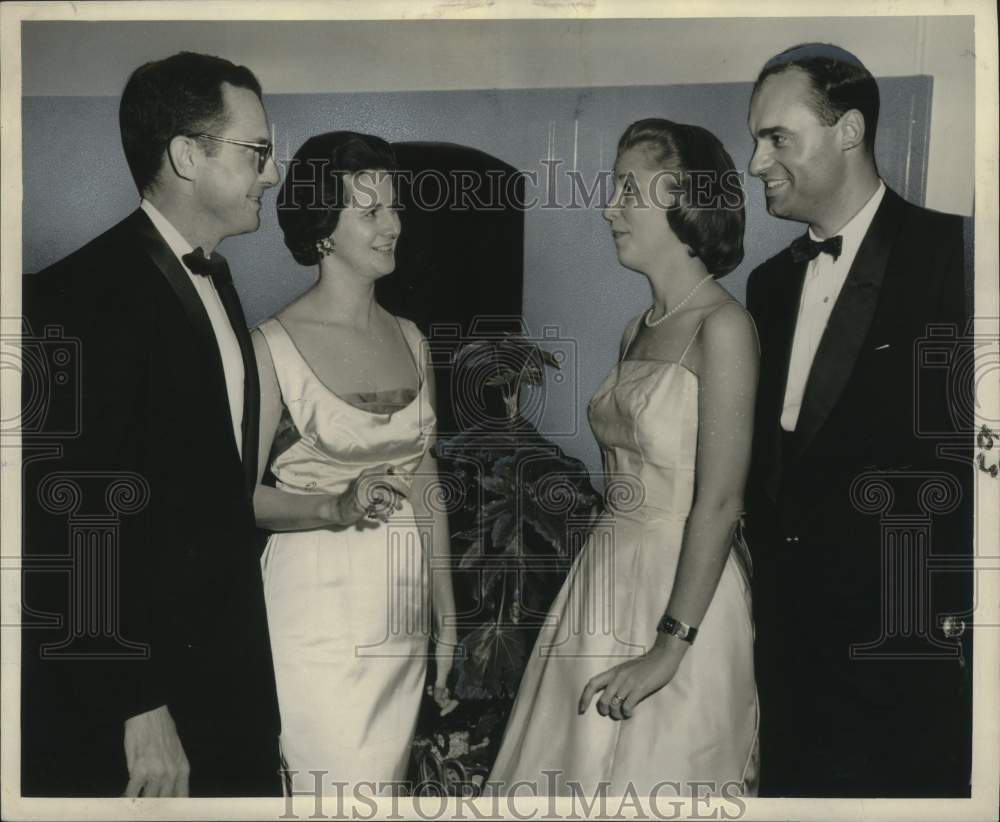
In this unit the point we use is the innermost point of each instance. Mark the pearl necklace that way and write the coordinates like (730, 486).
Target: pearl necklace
(651, 323)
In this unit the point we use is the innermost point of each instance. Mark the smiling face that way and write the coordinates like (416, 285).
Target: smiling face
(637, 212)
(367, 229)
(228, 186)
(798, 158)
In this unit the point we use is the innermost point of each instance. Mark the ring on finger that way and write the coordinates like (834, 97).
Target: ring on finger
(617, 700)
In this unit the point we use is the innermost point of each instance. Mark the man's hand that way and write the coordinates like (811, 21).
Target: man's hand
(156, 762)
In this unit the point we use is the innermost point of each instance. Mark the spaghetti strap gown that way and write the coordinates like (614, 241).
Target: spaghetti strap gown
(348, 608)
(702, 726)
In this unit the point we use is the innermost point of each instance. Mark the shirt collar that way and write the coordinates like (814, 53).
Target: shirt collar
(856, 228)
(171, 236)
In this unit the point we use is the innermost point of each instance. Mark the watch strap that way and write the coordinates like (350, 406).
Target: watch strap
(674, 627)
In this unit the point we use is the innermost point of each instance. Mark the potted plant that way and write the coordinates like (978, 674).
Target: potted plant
(527, 508)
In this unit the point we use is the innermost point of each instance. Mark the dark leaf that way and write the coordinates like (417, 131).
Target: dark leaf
(473, 556)
(502, 377)
(494, 658)
(503, 530)
(549, 358)
(495, 507)
(469, 534)
(531, 376)
(499, 484)
(551, 527)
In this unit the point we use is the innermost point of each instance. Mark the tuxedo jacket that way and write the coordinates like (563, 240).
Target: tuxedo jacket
(152, 456)
(875, 402)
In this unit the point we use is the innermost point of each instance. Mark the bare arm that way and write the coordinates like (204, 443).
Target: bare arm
(428, 508)
(374, 490)
(727, 388)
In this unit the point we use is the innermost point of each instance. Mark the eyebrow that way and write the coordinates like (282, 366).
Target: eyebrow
(767, 132)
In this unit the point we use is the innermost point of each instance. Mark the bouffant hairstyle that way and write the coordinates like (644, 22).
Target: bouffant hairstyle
(315, 190)
(706, 212)
(181, 94)
(839, 82)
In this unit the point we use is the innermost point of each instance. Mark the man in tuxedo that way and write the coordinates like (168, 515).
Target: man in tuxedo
(147, 667)
(862, 645)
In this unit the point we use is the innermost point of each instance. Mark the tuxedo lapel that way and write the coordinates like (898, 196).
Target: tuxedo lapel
(180, 281)
(251, 383)
(849, 322)
(783, 307)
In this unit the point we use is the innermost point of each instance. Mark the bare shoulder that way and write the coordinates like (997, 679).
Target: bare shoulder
(726, 318)
(728, 328)
(301, 310)
(410, 328)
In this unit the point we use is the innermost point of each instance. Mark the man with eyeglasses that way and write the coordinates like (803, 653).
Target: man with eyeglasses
(177, 698)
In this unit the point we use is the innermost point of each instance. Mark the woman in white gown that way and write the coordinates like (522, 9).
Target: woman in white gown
(654, 617)
(347, 421)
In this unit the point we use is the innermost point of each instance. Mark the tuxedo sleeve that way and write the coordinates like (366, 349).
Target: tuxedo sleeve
(754, 297)
(113, 320)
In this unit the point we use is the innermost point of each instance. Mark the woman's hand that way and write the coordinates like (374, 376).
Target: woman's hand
(375, 494)
(444, 655)
(628, 684)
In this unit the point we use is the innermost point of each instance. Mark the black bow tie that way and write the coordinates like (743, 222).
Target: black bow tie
(215, 266)
(805, 248)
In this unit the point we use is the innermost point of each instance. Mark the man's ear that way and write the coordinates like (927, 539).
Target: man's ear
(852, 129)
(183, 156)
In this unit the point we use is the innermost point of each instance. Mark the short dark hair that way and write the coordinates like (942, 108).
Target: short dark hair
(313, 193)
(181, 94)
(708, 215)
(839, 82)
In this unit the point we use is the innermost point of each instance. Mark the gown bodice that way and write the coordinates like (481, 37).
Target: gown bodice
(645, 418)
(335, 439)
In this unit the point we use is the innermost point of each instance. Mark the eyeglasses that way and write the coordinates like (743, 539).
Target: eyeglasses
(263, 150)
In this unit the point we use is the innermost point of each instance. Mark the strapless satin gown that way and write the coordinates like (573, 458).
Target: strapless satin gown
(348, 608)
(701, 727)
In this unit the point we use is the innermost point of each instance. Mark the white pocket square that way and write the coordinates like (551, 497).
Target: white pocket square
(882, 347)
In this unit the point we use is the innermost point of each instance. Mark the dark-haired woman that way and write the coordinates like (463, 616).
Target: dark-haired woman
(654, 617)
(346, 426)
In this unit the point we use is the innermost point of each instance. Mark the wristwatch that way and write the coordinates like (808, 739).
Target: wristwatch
(674, 627)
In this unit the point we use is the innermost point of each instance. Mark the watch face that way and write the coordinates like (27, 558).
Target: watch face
(682, 631)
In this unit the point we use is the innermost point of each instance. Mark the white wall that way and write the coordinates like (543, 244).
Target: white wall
(331, 56)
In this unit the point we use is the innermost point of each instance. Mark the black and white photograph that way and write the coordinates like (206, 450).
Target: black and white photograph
(509, 409)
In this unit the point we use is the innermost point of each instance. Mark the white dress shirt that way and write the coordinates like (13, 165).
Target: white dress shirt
(225, 337)
(824, 279)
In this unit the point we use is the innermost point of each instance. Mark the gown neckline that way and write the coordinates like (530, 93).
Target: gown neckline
(315, 377)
